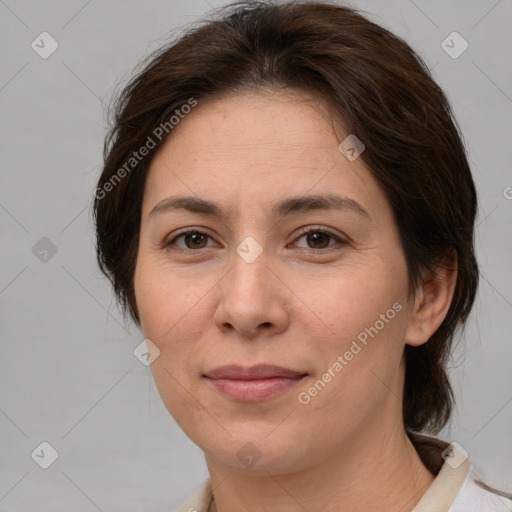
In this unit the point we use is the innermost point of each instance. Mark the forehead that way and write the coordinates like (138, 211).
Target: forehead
(280, 123)
(259, 146)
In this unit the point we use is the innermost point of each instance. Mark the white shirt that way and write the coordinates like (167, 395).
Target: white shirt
(454, 489)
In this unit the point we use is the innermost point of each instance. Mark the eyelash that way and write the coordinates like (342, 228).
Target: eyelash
(306, 231)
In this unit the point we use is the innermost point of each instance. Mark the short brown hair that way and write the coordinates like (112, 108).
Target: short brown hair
(376, 86)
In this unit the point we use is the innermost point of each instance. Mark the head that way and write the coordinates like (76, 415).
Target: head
(263, 104)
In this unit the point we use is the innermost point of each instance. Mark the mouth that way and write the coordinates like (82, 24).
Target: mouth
(253, 384)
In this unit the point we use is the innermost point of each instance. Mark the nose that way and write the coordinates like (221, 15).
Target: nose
(253, 301)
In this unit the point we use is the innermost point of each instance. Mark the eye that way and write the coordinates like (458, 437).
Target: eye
(319, 239)
(192, 240)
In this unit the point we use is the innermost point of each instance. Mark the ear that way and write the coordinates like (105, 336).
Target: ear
(432, 301)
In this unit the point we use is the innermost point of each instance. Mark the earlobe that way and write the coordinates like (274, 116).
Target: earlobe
(432, 301)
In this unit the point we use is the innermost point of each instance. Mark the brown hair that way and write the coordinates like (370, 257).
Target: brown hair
(376, 86)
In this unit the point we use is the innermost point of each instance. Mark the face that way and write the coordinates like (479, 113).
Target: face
(242, 274)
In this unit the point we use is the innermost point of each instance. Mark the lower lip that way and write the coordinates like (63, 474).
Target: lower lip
(254, 390)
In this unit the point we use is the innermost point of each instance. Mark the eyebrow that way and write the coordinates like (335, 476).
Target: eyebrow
(283, 208)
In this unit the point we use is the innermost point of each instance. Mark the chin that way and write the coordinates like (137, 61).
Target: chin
(259, 454)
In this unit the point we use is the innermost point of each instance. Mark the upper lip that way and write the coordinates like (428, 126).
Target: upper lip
(260, 371)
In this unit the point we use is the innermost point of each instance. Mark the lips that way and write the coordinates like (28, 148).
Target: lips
(258, 372)
(253, 384)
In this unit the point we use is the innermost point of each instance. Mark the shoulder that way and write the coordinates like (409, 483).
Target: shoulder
(474, 496)
(456, 481)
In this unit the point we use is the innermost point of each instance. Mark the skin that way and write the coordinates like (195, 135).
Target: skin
(300, 305)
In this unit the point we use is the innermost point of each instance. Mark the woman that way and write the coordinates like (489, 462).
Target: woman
(287, 211)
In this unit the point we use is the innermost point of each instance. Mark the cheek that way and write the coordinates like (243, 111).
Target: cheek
(354, 298)
(164, 302)
(174, 315)
(167, 319)
(367, 313)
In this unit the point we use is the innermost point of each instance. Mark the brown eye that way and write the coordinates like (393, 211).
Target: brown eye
(318, 239)
(195, 240)
(190, 241)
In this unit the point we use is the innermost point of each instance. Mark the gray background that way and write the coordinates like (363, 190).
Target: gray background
(68, 373)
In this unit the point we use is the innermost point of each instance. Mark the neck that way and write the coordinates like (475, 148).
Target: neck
(380, 470)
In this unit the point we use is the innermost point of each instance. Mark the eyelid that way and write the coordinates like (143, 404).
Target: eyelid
(316, 229)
